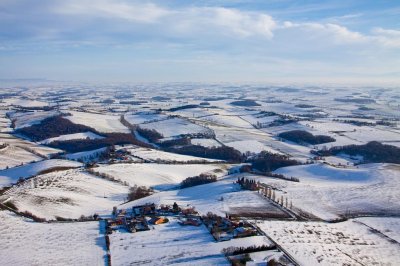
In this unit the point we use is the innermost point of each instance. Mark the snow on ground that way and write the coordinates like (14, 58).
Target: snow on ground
(5, 123)
(25, 103)
(223, 196)
(323, 172)
(24, 242)
(27, 145)
(275, 130)
(12, 156)
(253, 146)
(230, 134)
(318, 128)
(346, 243)
(141, 118)
(205, 142)
(261, 257)
(256, 138)
(346, 134)
(339, 161)
(26, 119)
(154, 155)
(390, 226)
(84, 135)
(195, 112)
(328, 192)
(324, 126)
(159, 176)
(86, 156)
(101, 122)
(67, 194)
(11, 175)
(175, 127)
(366, 134)
(253, 119)
(228, 120)
(172, 243)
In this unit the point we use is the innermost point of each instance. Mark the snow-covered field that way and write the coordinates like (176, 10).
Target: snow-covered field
(67, 194)
(219, 197)
(20, 151)
(253, 119)
(101, 122)
(174, 244)
(156, 155)
(84, 135)
(141, 118)
(175, 127)
(324, 173)
(343, 133)
(86, 156)
(12, 175)
(26, 119)
(159, 176)
(346, 243)
(324, 191)
(250, 146)
(228, 120)
(248, 139)
(389, 226)
(25, 102)
(327, 191)
(13, 156)
(205, 142)
(24, 242)
(25, 144)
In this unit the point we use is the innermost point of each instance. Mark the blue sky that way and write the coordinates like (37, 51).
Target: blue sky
(279, 41)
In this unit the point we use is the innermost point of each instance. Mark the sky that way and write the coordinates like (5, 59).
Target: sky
(279, 41)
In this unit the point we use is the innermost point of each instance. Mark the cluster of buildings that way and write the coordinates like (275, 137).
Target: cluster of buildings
(139, 218)
(226, 228)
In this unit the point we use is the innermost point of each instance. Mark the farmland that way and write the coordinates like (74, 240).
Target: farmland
(205, 175)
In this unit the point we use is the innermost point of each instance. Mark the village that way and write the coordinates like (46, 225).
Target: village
(141, 218)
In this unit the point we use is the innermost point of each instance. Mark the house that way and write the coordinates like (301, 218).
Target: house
(190, 221)
(222, 236)
(189, 211)
(158, 220)
(148, 209)
(136, 225)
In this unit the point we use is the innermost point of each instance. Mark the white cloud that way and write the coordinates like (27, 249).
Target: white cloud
(387, 32)
(387, 37)
(135, 12)
(194, 39)
(244, 24)
(342, 34)
(127, 21)
(187, 21)
(339, 34)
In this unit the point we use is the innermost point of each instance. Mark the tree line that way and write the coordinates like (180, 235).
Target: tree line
(372, 152)
(302, 136)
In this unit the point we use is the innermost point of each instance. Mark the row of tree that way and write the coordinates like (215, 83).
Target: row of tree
(53, 127)
(372, 152)
(150, 134)
(268, 162)
(198, 180)
(248, 184)
(220, 153)
(302, 136)
(138, 192)
(109, 139)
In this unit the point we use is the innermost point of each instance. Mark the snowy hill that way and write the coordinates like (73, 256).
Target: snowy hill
(12, 175)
